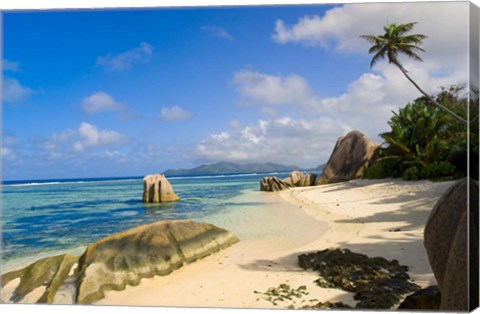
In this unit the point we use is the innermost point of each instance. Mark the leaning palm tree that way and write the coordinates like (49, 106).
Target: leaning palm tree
(395, 42)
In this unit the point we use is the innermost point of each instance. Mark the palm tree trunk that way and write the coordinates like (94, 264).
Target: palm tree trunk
(435, 103)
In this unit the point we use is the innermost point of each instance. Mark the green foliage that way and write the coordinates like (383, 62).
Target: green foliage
(438, 169)
(425, 142)
(394, 42)
(383, 168)
(411, 173)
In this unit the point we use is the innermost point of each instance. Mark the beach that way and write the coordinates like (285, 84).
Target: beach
(375, 217)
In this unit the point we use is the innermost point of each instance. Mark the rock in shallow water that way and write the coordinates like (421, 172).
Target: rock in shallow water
(376, 282)
(157, 189)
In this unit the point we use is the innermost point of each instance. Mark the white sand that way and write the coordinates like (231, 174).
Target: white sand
(361, 215)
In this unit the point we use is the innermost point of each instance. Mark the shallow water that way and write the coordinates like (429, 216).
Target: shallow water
(46, 218)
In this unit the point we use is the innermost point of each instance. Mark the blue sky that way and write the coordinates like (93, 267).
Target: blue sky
(93, 93)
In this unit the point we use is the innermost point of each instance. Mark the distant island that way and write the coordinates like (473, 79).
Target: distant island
(231, 168)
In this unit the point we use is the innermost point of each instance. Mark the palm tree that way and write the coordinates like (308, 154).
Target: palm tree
(395, 42)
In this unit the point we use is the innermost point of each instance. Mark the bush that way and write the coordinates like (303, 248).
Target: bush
(411, 174)
(438, 169)
(384, 168)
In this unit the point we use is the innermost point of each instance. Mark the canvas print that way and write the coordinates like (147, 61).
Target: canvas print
(319, 156)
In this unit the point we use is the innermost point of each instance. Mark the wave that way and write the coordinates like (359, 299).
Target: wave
(42, 183)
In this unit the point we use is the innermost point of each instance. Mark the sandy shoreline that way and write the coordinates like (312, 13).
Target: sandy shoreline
(375, 217)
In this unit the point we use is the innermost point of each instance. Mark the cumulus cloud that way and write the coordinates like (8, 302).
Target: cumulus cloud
(339, 29)
(125, 60)
(216, 31)
(307, 142)
(100, 102)
(175, 113)
(14, 91)
(86, 136)
(257, 88)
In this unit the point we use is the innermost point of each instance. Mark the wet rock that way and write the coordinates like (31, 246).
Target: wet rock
(424, 299)
(376, 282)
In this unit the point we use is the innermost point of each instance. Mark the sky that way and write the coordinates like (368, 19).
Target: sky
(128, 92)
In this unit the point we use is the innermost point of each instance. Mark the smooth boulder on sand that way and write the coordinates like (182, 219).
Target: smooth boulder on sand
(157, 189)
(451, 241)
(349, 159)
(116, 261)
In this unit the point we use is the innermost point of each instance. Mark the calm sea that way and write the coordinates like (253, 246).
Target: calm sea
(42, 217)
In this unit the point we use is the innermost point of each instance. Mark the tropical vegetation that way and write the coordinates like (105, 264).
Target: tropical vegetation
(426, 142)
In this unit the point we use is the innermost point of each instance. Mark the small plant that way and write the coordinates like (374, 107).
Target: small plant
(283, 293)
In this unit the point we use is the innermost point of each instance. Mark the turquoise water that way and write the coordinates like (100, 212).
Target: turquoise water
(42, 217)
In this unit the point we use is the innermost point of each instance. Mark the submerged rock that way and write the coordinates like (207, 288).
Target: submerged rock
(349, 159)
(49, 273)
(149, 250)
(157, 189)
(451, 241)
(376, 282)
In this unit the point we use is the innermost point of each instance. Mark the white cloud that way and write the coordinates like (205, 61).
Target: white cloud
(305, 142)
(14, 91)
(11, 66)
(175, 113)
(257, 88)
(100, 102)
(125, 60)
(86, 136)
(339, 29)
(219, 32)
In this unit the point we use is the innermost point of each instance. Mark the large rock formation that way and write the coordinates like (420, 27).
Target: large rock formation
(451, 241)
(157, 189)
(296, 179)
(349, 159)
(122, 259)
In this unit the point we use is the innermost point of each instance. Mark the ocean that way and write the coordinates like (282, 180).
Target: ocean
(43, 218)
